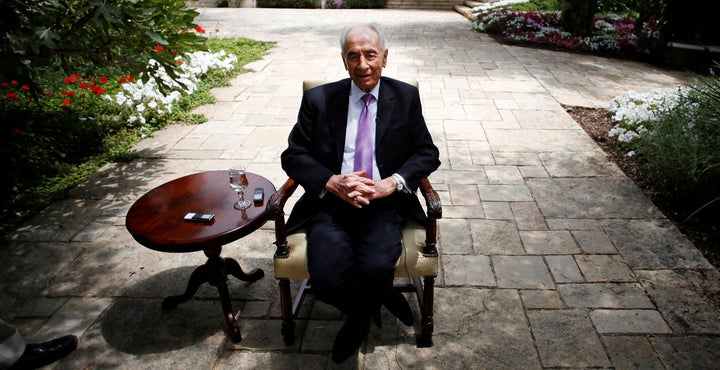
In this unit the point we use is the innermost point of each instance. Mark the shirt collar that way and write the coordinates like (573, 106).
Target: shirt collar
(356, 94)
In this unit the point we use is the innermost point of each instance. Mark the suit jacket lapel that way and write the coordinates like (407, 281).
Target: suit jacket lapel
(338, 106)
(386, 107)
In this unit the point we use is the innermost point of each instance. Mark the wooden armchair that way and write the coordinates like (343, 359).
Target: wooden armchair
(418, 261)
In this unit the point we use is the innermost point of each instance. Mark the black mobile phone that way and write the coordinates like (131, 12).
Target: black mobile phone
(199, 217)
(258, 196)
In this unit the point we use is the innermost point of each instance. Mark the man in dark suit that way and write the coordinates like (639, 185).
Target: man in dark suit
(358, 193)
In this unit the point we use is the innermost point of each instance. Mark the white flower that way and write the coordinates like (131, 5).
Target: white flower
(604, 26)
(146, 98)
(497, 4)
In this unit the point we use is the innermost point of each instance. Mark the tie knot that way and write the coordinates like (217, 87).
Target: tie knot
(367, 98)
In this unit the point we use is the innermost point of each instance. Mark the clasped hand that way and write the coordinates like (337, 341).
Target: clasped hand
(358, 190)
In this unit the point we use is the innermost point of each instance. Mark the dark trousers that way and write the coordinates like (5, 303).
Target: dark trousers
(352, 255)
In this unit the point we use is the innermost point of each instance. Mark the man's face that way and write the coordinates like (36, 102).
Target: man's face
(363, 57)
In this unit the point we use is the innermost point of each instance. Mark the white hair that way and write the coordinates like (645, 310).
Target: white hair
(372, 26)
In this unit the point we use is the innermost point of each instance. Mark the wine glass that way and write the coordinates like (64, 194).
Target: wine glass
(239, 182)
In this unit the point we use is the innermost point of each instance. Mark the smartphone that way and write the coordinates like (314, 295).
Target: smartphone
(258, 195)
(199, 217)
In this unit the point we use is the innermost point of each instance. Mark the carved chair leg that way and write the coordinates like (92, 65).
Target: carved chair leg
(288, 322)
(426, 322)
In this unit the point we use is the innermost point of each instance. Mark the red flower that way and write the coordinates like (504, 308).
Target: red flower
(15, 131)
(66, 102)
(68, 93)
(14, 82)
(12, 96)
(122, 80)
(97, 90)
(82, 86)
(217, 30)
(5, 84)
(180, 62)
(103, 80)
(159, 48)
(25, 87)
(199, 29)
(72, 79)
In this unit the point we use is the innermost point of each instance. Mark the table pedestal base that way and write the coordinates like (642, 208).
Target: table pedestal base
(214, 272)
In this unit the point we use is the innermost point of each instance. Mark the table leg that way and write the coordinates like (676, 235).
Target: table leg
(198, 277)
(218, 279)
(233, 267)
(214, 272)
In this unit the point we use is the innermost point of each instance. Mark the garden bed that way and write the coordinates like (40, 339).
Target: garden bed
(703, 231)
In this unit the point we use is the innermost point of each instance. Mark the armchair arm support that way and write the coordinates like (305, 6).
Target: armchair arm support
(434, 212)
(275, 206)
(432, 200)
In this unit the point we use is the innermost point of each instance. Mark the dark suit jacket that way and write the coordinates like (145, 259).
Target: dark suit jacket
(403, 144)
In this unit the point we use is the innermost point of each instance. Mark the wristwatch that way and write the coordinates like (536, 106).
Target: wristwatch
(398, 182)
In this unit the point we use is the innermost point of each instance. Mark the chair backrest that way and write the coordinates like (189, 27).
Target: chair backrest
(309, 84)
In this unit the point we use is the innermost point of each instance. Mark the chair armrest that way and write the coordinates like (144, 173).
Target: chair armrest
(277, 201)
(432, 200)
(275, 206)
(434, 212)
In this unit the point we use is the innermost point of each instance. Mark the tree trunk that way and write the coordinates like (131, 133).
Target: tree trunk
(577, 16)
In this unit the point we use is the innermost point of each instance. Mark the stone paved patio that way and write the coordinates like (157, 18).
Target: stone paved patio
(550, 256)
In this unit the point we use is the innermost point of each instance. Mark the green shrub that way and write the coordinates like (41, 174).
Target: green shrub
(366, 4)
(37, 34)
(616, 6)
(540, 6)
(683, 148)
(288, 4)
(74, 124)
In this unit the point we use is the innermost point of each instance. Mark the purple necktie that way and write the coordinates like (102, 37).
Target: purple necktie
(364, 140)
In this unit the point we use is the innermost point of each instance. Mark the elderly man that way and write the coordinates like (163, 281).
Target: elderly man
(360, 148)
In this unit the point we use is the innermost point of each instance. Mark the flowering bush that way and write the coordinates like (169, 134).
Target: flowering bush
(677, 134)
(51, 130)
(38, 33)
(613, 35)
(140, 101)
(484, 7)
(635, 113)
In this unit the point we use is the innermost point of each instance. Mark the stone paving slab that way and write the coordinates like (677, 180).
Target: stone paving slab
(549, 256)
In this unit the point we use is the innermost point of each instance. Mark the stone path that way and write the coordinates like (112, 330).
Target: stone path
(550, 256)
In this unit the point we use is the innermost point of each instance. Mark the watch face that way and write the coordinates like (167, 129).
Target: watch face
(399, 183)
